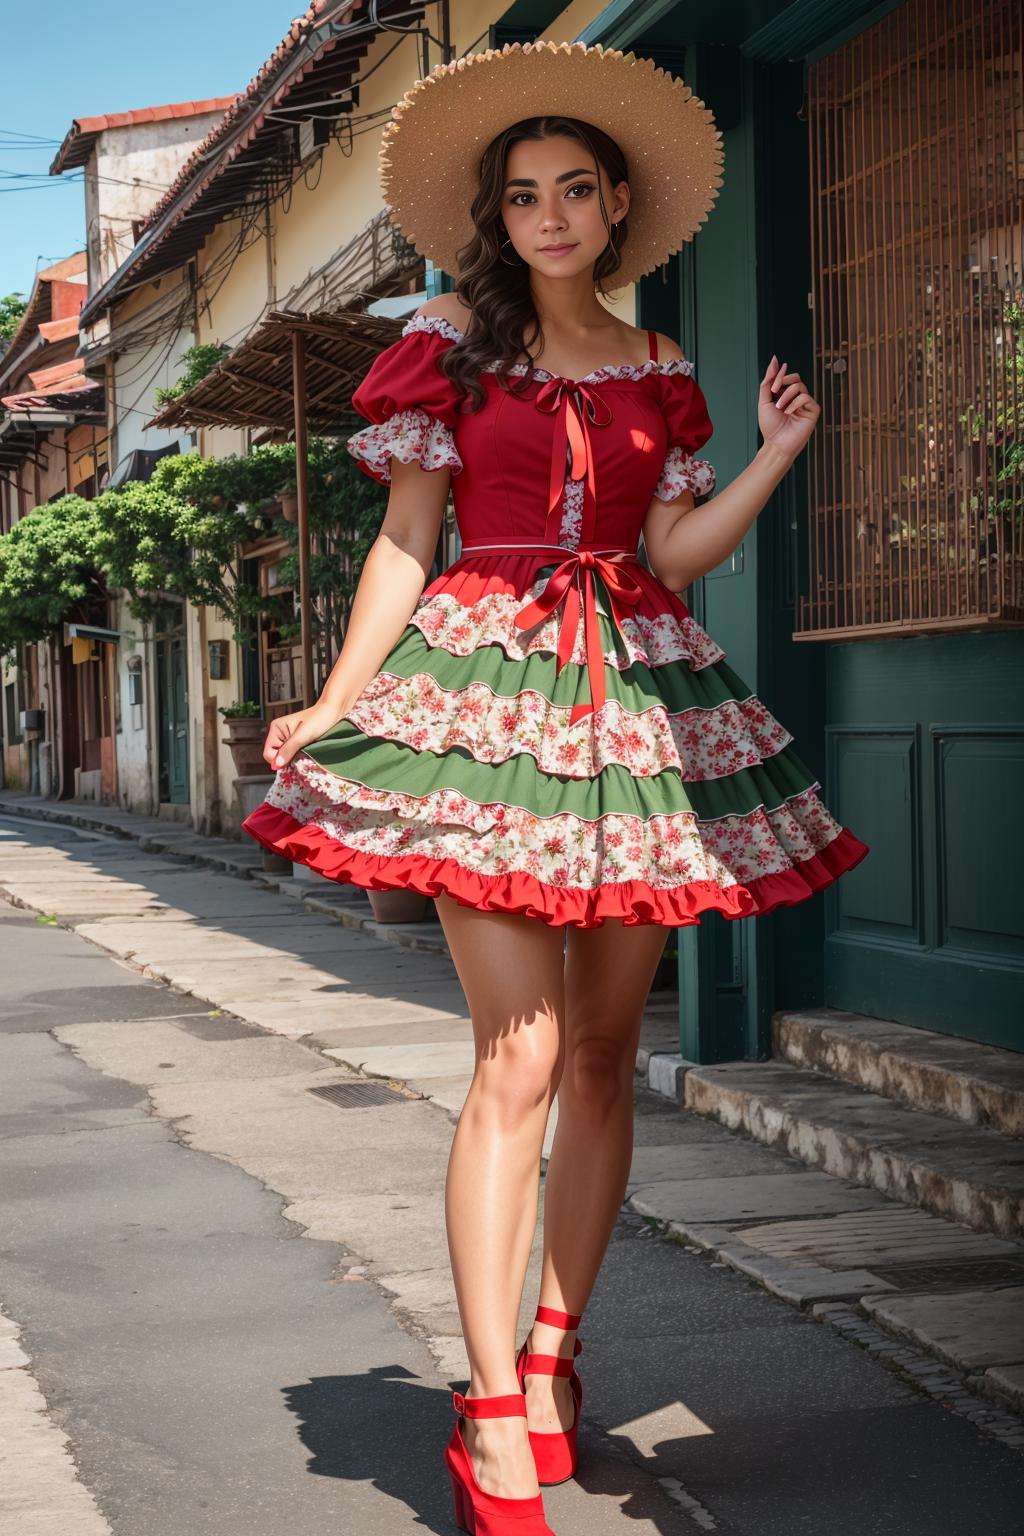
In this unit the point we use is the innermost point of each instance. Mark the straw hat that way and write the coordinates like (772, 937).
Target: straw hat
(431, 148)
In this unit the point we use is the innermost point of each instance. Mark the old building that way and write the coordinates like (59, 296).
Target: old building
(877, 602)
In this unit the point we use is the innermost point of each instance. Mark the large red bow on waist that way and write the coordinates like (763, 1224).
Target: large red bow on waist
(569, 580)
(572, 429)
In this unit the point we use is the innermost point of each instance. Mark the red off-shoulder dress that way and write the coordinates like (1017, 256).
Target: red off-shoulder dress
(554, 734)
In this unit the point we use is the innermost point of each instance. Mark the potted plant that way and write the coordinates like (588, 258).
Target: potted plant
(288, 496)
(246, 731)
(398, 906)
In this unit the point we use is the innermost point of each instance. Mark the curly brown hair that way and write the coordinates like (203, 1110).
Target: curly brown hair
(498, 293)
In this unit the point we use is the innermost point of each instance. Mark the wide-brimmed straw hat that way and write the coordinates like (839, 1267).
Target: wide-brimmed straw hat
(430, 149)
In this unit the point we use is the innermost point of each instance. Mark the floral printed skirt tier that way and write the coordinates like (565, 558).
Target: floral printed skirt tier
(554, 735)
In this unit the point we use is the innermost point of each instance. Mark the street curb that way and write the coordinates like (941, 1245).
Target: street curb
(835, 1298)
(223, 855)
(660, 1070)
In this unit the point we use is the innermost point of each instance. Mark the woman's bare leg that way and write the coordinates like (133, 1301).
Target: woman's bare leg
(510, 968)
(608, 974)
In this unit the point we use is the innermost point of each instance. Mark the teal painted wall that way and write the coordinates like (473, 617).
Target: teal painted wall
(926, 751)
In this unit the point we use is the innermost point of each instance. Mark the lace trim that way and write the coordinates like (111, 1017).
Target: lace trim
(410, 434)
(436, 323)
(682, 473)
(445, 328)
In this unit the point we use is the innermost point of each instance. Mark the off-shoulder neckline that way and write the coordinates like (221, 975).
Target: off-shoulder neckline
(672, 365)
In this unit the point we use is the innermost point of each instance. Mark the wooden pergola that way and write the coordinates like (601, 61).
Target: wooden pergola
(295, 370)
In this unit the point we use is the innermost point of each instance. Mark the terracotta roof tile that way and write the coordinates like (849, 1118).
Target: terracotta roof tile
(257, 85)
(59, 330)
(50, 398)
(80, 137)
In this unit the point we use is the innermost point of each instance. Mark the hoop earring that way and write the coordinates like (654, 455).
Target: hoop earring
(517, 263)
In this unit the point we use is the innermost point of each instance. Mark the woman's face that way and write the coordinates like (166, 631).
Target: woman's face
(551, 207)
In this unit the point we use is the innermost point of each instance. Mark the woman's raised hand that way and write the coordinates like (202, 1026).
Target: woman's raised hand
(288, 734)
(786, 413)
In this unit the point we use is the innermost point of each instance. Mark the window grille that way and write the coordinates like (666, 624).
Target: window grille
(917, 233)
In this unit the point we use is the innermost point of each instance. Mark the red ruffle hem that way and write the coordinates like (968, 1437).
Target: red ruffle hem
(631, 901)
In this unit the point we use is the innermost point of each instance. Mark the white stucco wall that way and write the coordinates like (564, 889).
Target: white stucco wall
(138, 370)
(135, 744)
(125, 176)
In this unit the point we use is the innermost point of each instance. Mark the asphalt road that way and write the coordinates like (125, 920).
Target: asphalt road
(218, 1371)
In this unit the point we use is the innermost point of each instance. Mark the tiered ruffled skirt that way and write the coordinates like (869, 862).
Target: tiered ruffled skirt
(457, 771)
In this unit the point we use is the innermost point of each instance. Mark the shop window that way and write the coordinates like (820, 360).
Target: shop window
(916, 469)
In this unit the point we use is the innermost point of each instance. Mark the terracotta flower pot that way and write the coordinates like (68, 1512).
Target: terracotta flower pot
(398, 906)
(245, 737)
(289, 506)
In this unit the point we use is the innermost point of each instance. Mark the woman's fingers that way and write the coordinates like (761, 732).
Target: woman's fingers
(275, 743)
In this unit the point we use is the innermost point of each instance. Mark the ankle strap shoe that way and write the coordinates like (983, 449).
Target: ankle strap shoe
(476, 1511)
(555, 1451)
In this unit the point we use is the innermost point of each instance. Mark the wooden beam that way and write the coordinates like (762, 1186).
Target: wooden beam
(302, 496)
(246, 379)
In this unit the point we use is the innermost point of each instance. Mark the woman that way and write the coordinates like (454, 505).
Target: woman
(542, 738)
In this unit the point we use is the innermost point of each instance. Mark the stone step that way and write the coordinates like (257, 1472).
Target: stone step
(978, 1084)
(968, 1173)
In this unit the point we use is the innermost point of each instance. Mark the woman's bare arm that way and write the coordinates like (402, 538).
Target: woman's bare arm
(393, 577)
(684, 542)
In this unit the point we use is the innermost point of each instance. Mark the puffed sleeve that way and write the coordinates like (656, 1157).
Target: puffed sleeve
(410, 404)
(689, 427)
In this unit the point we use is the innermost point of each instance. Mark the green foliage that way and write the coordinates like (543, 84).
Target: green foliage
(12, 307)
(245, 709)
(47, 569)
(178, 536)
(199, 361)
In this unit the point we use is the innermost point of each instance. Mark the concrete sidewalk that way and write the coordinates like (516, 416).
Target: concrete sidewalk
(264, 951)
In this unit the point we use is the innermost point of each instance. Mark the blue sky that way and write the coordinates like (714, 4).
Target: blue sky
(69, 60)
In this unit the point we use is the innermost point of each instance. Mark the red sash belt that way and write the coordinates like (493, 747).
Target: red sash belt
(572, 583)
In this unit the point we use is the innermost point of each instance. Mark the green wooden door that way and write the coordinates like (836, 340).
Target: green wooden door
(172, 709)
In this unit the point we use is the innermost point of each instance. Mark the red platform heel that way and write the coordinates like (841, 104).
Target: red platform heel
(554, 1451)
(476, 1511)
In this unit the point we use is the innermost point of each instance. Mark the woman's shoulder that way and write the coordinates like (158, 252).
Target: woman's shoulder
(444, 313)
(669, 350)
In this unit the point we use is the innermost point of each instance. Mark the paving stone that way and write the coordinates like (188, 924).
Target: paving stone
(886, 1235)
(965, 1328)
(1008, 1380)
(417, 1062)
(979, 1084)
(968, 1173)
(764, 1194)
(704, 1160)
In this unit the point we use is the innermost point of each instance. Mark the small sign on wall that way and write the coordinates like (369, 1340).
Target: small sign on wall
(220, 659)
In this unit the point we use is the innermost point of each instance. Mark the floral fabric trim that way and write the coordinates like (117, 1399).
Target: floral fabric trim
(561, 850)
(700, 743)
(571, 526)
(411, 434)
(444, 621)
(436, 323)
(681, 472)
(445, 328)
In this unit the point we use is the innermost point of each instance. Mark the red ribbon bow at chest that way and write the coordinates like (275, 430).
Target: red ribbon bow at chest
(573, 581)
(572, 434)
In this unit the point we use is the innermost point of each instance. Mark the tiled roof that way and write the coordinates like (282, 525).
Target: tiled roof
(56, 396)
(41, 379)
(256, 87)
(59, 330)
(319, 58)
(70, 273)
(84, 131)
